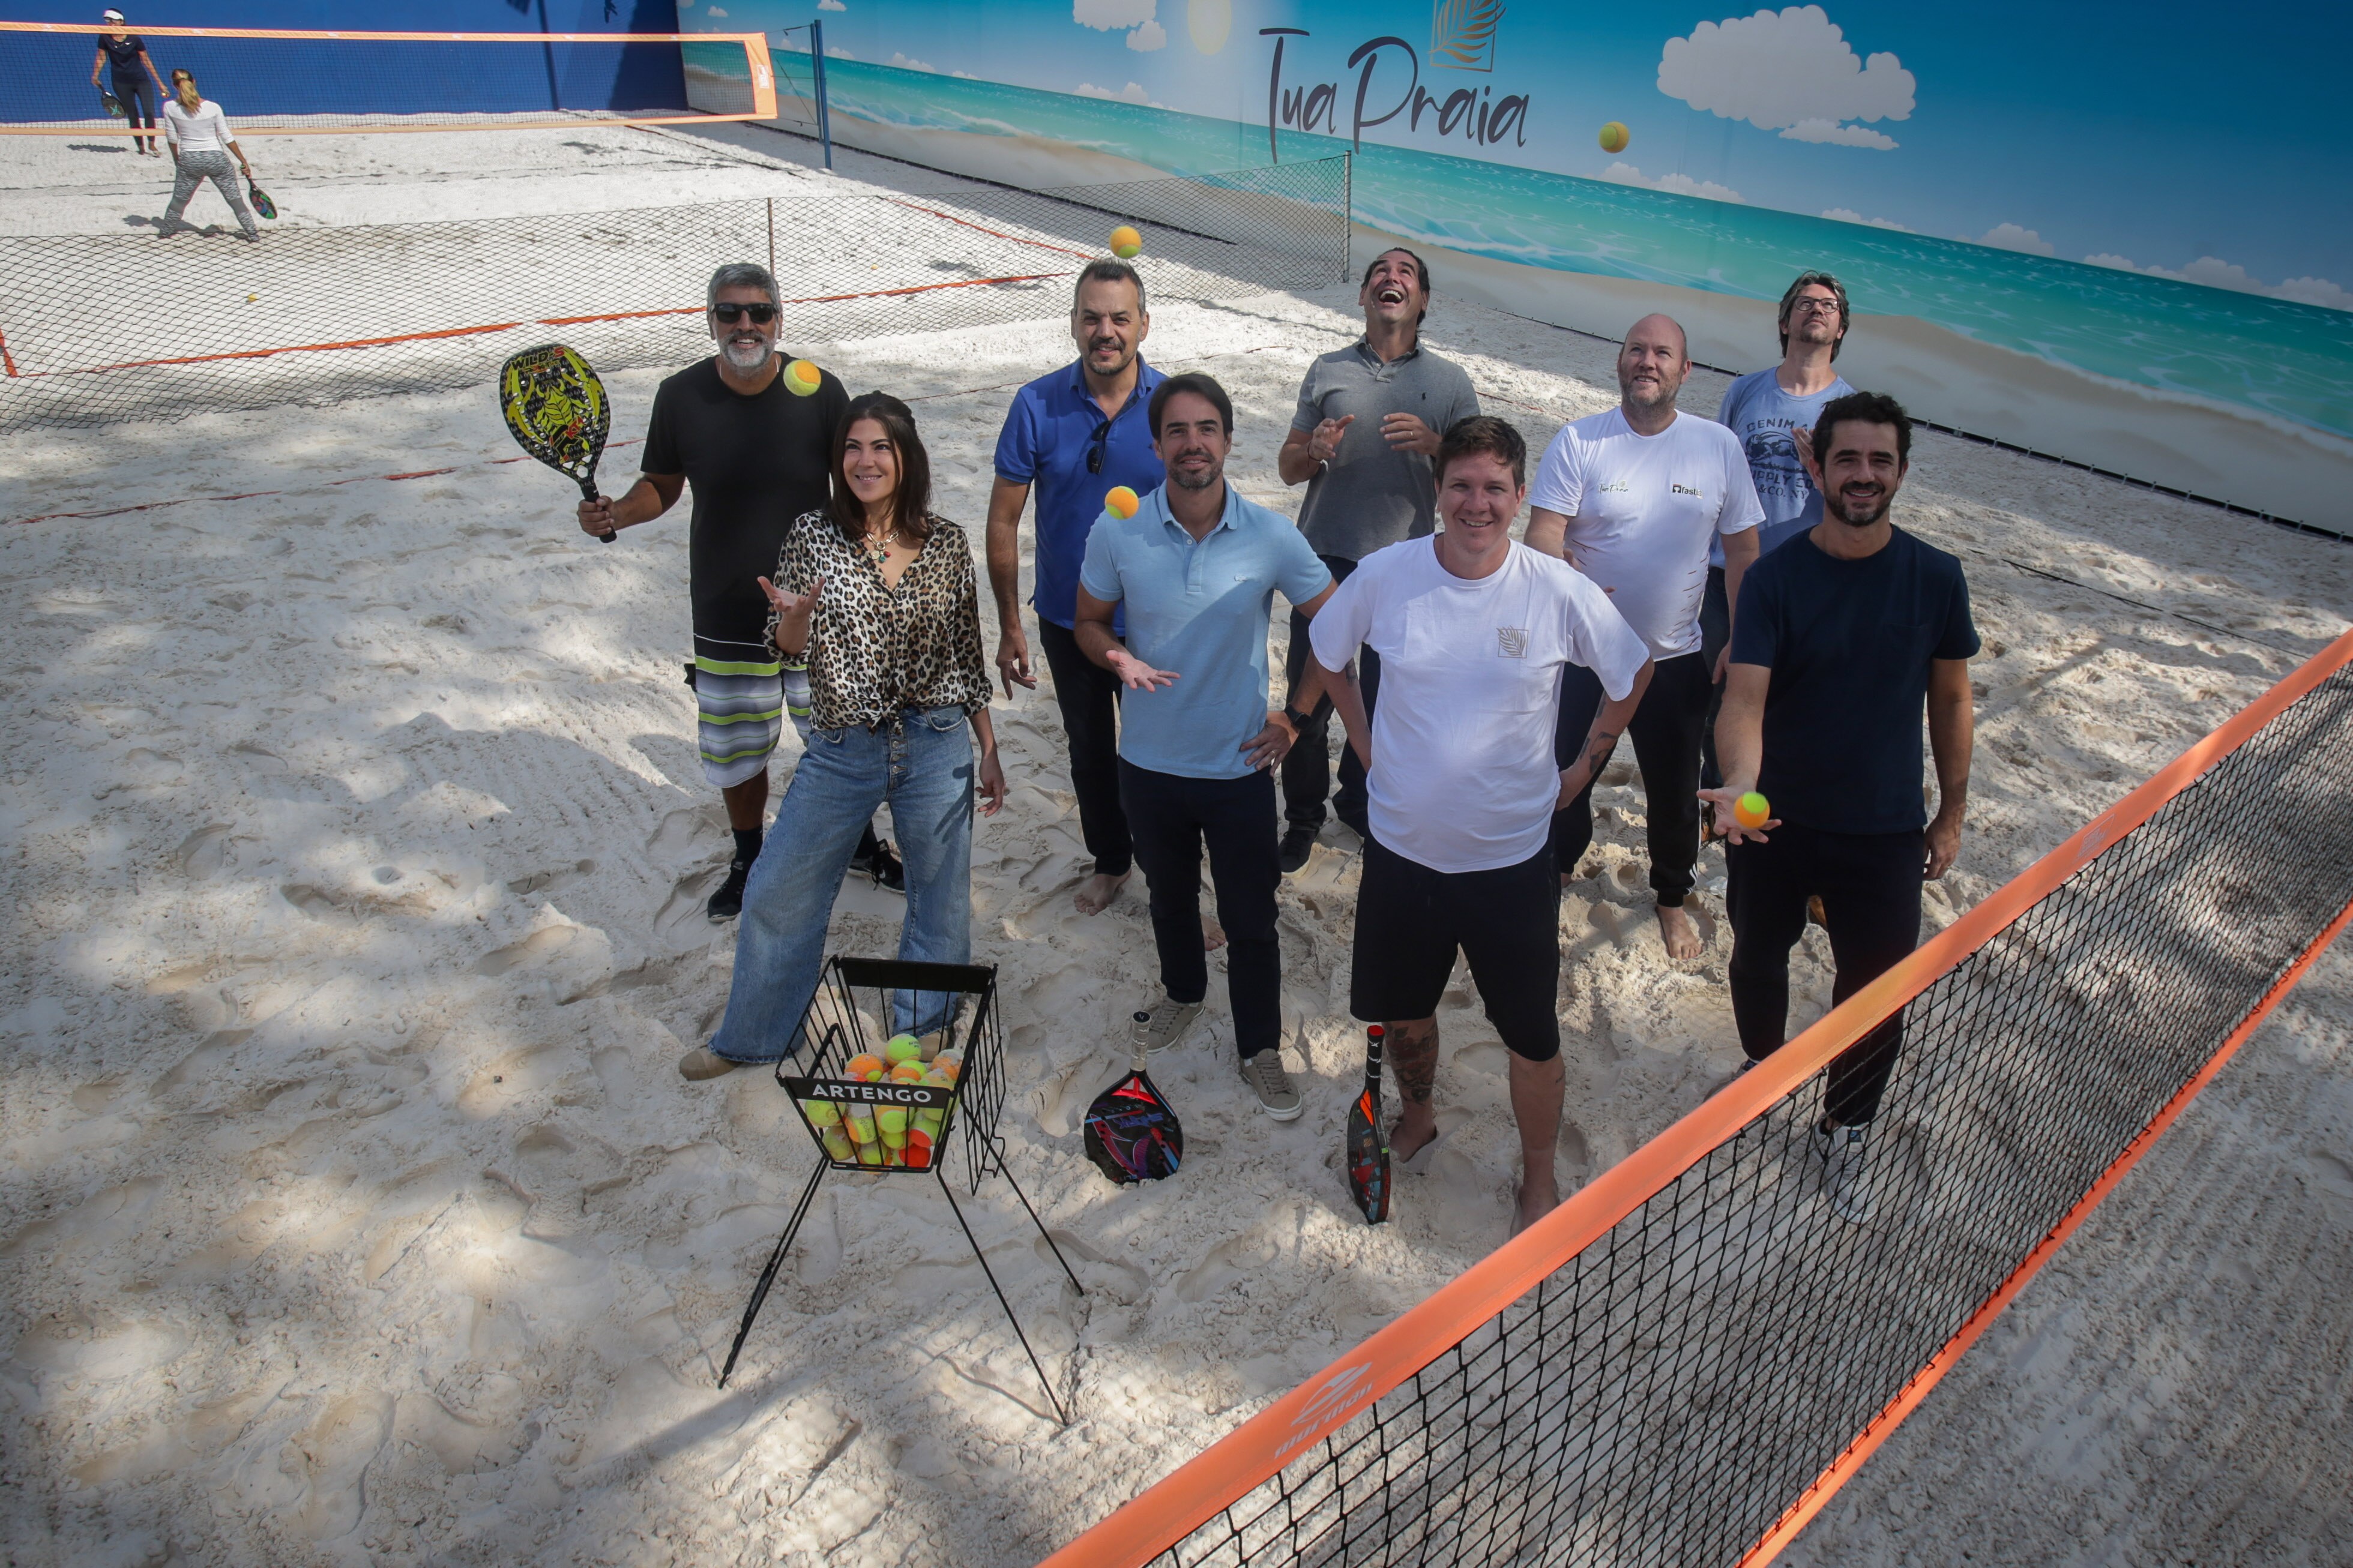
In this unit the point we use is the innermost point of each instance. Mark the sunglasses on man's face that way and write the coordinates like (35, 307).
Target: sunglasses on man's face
(730, 314)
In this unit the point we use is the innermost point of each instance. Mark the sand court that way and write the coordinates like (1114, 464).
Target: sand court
(356, 856)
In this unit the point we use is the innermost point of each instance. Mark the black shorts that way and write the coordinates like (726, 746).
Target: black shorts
(1411, 921)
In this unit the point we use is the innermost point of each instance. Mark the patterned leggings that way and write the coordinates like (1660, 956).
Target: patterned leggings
(194, 169)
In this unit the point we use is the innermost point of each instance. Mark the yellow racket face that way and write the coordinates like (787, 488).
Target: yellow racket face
(556, 407)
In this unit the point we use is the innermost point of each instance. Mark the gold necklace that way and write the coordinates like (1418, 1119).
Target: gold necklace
(878, 547)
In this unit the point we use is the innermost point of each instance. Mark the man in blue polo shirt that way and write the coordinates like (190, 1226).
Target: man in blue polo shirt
(1196, 569)
(1076, 435)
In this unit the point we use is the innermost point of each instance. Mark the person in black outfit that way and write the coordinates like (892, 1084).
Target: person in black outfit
(138, 93)
(1843, 636)
(759, 456)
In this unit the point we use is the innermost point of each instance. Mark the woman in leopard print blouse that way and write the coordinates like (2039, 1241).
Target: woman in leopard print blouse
(879, 595)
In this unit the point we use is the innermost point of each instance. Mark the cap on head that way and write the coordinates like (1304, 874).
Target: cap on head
(109, 16)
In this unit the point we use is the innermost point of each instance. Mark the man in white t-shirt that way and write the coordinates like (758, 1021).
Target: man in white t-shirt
(1474, 633)
(1633, 498)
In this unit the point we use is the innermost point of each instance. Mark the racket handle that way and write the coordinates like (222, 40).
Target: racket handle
(589, 492)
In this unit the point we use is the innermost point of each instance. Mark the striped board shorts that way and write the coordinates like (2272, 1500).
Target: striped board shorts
(739, 714)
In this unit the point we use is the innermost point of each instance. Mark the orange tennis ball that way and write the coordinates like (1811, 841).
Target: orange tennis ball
(1125, 243)
(864, 1065)
(1751, 810)
(1121, 502)
(907, 1072)
(1614, 137)
(802, 378)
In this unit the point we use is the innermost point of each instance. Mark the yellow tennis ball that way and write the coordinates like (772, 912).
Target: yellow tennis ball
(1121, 502)
(1614, 137)
(802, 378)
(249, 298)
(1751, 810)
(1125, 243)
(901, 1049)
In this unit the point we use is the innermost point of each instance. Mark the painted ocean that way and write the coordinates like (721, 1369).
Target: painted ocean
(2289, 361)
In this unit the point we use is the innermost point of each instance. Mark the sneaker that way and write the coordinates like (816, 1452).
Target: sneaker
(1167, 1023)
(1264, 1074)
(1298, 843)
(728, 901)
(884, 865)
(702, 1062)
(1844, 1175)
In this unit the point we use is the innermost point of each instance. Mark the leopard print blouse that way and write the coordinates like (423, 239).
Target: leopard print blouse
(874, 649)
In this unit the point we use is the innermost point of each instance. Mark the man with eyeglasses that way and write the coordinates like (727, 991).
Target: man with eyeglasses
(1773, 412)
(1361, 440)
(1075, 435)
(758, 456)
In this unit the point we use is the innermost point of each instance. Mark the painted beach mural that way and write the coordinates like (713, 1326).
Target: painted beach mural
(2108, 233)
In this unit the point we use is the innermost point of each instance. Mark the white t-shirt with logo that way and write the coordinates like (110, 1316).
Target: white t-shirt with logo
(1642, 511)
(1462, 777)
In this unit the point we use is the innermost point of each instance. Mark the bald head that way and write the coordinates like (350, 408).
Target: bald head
(1651, 364)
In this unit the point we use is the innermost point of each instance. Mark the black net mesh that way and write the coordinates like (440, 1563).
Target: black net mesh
(324, 315)
(1665, 1396)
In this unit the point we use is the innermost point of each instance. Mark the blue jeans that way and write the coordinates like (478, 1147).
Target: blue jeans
(924, 767)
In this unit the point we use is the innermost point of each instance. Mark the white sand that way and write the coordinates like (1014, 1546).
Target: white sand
(357, 851)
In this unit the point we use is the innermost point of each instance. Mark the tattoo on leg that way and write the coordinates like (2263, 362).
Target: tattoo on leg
(1413, 1051)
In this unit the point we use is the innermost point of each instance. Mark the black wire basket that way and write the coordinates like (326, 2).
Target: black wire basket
(884, 1099)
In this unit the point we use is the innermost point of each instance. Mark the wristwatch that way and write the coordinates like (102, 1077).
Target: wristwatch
(1295, 719)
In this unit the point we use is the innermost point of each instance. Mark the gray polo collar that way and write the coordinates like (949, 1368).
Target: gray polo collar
(1386, 367)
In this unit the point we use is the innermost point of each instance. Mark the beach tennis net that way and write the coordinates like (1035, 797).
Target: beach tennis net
(321, 315)
(1679, 1366)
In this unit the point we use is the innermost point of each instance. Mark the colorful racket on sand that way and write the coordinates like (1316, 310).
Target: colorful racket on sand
(259, 198)
(1131, 1133)
(556, 410)
(1369, 1149)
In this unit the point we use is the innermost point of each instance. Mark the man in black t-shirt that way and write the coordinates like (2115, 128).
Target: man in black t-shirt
(758, 455)
(1843, 637)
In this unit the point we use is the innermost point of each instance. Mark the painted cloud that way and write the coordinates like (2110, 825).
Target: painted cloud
(1791, 71)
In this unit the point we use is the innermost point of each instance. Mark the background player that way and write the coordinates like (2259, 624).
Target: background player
(1843, 636)
(758, 456)
(136, 84)
(1634, 498)
(1075, 435)
(1365, 490)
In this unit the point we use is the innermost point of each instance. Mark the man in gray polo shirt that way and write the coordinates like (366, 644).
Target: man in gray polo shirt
(1369, 419)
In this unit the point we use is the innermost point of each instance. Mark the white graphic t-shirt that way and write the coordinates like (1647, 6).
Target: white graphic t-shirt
(1642, 511)
(1462, 777)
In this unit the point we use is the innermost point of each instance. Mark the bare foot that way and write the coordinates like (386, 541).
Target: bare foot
(1677, 931)
(1213, 935)
(1096, 893)
(1539, 1195)
(1416, 1129)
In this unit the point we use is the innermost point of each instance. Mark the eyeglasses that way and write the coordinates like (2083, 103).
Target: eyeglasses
(730, 314)
(1095, 452)
(1818, 307)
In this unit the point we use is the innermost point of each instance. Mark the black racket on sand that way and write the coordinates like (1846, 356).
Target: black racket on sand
(1368, 1148)
(1131, 1133)
(556, 410)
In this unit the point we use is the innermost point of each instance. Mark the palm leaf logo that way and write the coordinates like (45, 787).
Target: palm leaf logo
(1462, 34)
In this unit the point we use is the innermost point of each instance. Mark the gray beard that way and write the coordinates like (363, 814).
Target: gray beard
(734, 354)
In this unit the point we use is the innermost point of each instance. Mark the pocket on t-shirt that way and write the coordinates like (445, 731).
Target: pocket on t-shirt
(1905, 642)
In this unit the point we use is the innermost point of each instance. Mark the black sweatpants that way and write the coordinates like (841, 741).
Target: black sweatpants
(1870, 887)
(136, 93)
(1088, 695)
(1173, 818)
(1714, 631)
(1665, 732)
(1307, 771)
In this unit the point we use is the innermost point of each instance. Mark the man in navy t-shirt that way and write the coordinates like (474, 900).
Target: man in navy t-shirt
(1076, 435)
(1844, 634)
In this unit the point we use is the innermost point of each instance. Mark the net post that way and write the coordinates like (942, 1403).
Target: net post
(1347, 215)
(817, 71)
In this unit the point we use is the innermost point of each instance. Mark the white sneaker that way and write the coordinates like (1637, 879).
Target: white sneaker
(1844, 1174)
(1165, 1026)
(1276, 1094)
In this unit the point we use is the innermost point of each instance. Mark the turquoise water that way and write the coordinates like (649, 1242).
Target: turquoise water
(2293, 362)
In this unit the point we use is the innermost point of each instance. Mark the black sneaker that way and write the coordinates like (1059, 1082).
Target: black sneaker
(728, 901)
(884, 865)
(1298, 843)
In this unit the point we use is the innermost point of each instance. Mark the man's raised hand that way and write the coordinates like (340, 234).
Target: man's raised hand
(1323, 441)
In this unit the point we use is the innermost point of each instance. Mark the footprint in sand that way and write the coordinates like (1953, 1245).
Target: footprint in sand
(538, 947)
(333, 1456)
(673, 841)
(204, 851)
(1227, 1262)
(1121, 1281)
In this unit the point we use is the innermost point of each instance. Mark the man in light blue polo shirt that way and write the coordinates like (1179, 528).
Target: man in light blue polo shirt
(1075, 435)
(1196, 570)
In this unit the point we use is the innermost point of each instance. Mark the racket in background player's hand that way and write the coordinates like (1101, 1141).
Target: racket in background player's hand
(556, 410)
(112, 104)
(1131, 1133)
(262, 205)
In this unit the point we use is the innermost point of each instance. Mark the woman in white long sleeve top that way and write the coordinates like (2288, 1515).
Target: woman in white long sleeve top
(202, 145)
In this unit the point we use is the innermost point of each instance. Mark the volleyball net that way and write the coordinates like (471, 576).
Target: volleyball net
(286, 83)
(324, 315)
(1681, 1363)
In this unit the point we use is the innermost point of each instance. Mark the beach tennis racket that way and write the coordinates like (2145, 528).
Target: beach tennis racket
(1131, 1134)
(1369, 1149)
(113, 104)
(259, 198)
(556, 410)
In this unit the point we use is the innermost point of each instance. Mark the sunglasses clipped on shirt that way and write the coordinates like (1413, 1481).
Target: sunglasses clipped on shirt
(729, 314)
(1095, 451)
